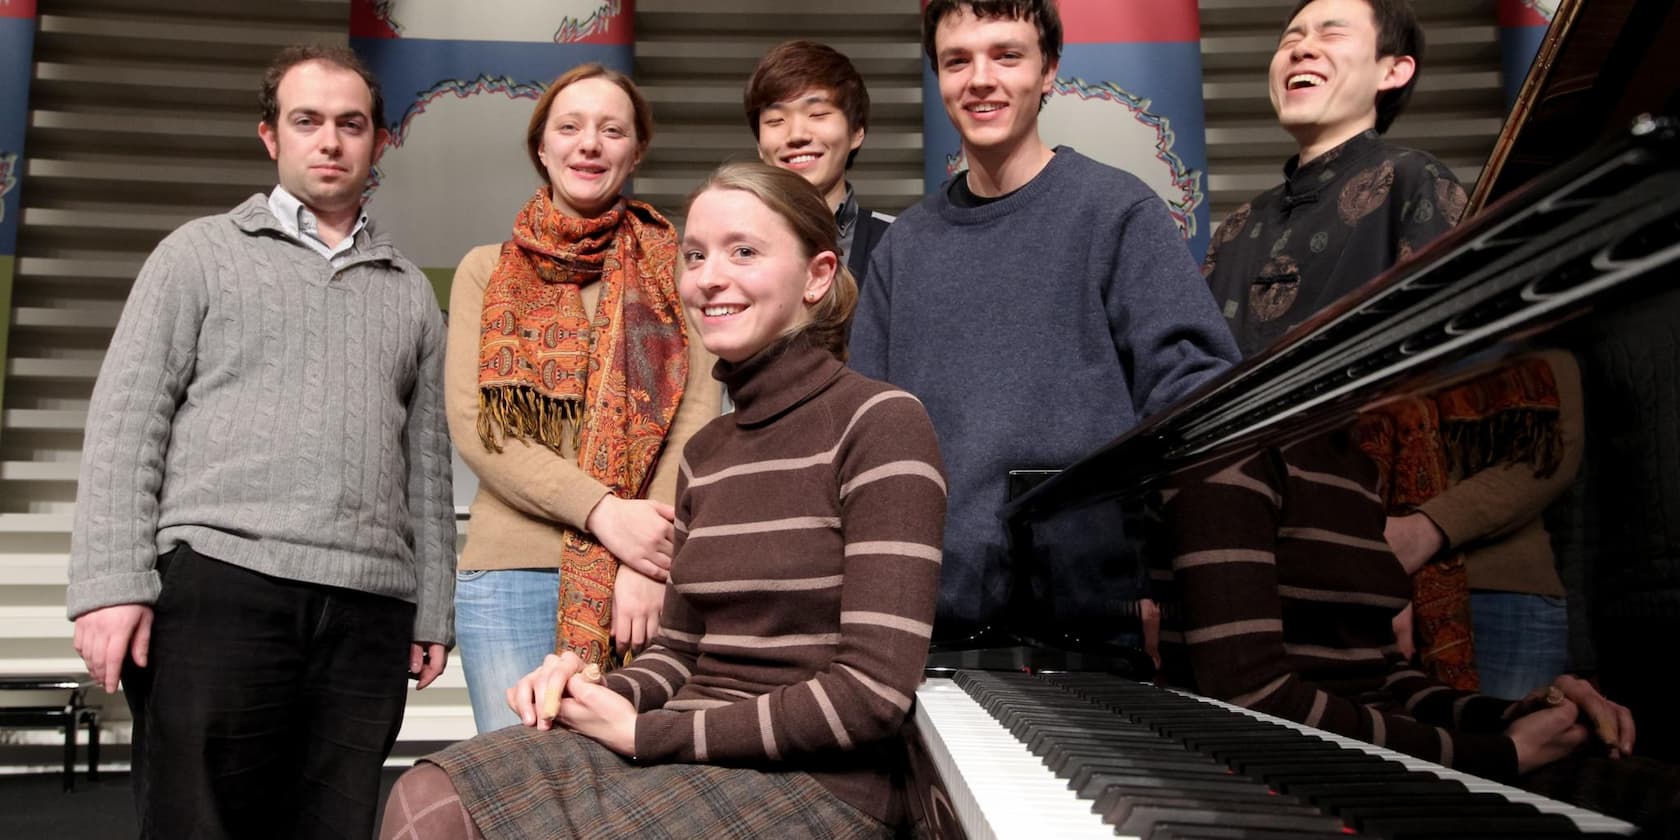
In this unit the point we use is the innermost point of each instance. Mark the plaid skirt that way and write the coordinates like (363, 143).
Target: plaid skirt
(521, 783)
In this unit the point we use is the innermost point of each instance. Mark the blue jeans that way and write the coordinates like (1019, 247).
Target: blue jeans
(1522, 641)
(504, 626)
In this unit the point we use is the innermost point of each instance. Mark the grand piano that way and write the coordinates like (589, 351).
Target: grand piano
(1571, 241)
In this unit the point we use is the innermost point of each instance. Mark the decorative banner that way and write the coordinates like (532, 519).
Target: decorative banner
(17, 53)
(1128, 93)
(1522, 26)
(460, 80)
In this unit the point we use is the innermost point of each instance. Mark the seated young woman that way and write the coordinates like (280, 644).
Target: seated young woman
(1281, 599)
(803, 583)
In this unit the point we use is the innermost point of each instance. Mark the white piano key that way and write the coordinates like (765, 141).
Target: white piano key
(1587, 821)
(1001, 791)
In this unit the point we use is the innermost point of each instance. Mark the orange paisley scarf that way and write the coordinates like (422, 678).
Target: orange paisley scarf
(1424, 444)
(547, 371)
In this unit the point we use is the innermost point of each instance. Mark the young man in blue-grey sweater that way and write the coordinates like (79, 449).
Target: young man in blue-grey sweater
(1039, 305)
(264, 543)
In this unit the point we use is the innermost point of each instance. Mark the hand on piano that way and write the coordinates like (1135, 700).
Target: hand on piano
(1611, 722)
(1546, 735)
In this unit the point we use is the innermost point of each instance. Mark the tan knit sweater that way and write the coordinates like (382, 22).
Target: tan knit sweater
(525, 492)
(1493, 517)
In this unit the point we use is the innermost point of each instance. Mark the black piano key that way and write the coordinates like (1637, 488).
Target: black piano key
(1334, 777)
(1052, 747)
(1143, 821)
(1076, 763)
(1174, 831)
(1400, 807)
(1284, 762)
(1093, 785)
(1077, 772)
(1116, 810)
(1426, 828)
(1114, 794)
(1057, 749)
(1356, 802)
(1420, 785)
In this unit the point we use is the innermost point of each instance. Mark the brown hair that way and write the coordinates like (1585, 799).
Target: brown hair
(795, 66)
(641, 112)
(1040, 13)
(268, 97)
(799, 204)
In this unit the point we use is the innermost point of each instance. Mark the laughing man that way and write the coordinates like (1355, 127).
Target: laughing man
(1351, 204)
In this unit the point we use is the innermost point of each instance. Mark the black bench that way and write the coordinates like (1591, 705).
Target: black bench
(73, 713)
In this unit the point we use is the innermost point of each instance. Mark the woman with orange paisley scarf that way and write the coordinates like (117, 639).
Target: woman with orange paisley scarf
(572, 383)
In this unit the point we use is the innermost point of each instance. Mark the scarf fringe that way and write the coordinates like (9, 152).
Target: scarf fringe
(520, 413)
(1523, 436)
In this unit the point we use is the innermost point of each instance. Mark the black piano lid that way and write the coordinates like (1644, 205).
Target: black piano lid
(1597, 212)
(1590, 233)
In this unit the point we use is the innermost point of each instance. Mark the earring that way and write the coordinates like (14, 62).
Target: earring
(810, 298)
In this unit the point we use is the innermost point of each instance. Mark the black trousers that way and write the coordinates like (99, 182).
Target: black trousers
(268, 705)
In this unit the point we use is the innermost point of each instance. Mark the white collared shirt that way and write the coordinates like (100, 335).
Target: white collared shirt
(299, 223)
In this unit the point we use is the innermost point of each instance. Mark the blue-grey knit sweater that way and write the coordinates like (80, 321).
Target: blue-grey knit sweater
(275, 413)
(1034, 329)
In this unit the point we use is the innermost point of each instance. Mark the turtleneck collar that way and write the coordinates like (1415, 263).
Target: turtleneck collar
(1303, 180)
(777, 378)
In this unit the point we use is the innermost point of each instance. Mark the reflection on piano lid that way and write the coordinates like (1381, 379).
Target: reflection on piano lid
(1004, 755)
(1599, 67)
(1600, 231)
(1580, 215)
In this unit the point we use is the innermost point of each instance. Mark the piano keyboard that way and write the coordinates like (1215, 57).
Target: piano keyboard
(1018, 756)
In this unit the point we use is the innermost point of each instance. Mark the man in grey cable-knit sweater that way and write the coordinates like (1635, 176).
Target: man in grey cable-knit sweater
(264, 536)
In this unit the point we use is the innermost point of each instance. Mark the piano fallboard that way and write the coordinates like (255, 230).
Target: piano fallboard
(1011, 755)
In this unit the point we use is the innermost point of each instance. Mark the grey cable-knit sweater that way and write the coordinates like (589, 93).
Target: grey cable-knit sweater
(275, 413)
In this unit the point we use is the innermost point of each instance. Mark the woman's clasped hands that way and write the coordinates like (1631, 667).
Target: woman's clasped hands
(560, 691)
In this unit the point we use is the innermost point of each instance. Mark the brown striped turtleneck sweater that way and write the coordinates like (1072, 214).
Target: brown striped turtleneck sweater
(804, 581)
(1281, 599)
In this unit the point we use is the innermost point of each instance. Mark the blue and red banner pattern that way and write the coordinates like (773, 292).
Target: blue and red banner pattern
(1522, 26)
(1128, 93)
(17, 51)
(460, 80)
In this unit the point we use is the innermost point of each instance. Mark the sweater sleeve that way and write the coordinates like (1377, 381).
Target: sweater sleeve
(1225, 526)
(431, 501)
(657, 672)
(892, 513)
(1166, 327)
(867, 345)
(142, 381)
(530, 479)
(1496, 501)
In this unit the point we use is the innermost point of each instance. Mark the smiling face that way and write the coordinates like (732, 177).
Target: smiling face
(1325, 75)
(746, 279)
(323, 142)
(589, 146)
(810, 135)
(992, 77)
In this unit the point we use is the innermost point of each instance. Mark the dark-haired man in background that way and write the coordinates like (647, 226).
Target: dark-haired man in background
(1351, 204)
(264, 542)
(808, 109)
